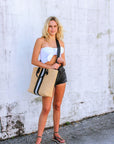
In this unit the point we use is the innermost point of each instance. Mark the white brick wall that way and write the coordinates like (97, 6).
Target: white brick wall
(89, 43)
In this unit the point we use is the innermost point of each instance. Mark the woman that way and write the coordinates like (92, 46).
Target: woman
(47, 49)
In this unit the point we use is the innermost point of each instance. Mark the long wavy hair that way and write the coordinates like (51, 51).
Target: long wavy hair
(59, 35)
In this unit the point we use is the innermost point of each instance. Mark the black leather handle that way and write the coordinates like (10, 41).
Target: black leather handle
(58, 49)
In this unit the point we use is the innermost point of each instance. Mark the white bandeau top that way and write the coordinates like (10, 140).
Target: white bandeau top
(47, 53)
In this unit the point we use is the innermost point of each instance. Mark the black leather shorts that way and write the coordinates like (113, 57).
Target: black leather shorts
(61, 76)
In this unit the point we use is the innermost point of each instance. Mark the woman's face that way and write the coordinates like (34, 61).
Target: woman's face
(52, 28)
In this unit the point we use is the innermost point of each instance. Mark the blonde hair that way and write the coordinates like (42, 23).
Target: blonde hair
(59, 34)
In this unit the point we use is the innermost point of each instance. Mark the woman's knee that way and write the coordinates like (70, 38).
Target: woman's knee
(46, 110)
(57, 106)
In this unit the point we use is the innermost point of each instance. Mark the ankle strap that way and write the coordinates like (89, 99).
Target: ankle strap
(56, 132)
(39, 136)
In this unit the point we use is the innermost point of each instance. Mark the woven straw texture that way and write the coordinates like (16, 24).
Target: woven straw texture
(46, 88)
(48, 82)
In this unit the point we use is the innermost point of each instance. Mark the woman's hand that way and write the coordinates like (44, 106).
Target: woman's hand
(60, 60)
(55, 66)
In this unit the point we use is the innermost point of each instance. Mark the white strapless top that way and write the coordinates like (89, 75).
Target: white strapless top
(47, 53)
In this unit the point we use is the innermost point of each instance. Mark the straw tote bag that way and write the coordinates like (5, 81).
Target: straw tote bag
(43, 80)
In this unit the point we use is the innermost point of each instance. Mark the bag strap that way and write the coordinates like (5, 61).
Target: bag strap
(58, 49)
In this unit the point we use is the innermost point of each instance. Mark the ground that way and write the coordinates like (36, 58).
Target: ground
(94, 130)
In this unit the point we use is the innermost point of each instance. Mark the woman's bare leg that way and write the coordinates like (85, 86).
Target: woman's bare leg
(46, 106)
(59, 93)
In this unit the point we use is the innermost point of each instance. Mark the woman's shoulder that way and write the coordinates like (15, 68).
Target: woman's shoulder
(61, 43)
(40, 39)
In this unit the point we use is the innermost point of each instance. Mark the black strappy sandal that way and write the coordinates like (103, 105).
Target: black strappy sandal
(39, 137)
(58, 140)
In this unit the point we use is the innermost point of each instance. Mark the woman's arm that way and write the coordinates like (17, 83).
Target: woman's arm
(35, 55)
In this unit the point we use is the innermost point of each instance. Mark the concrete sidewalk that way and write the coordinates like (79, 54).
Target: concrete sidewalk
(95, 130)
